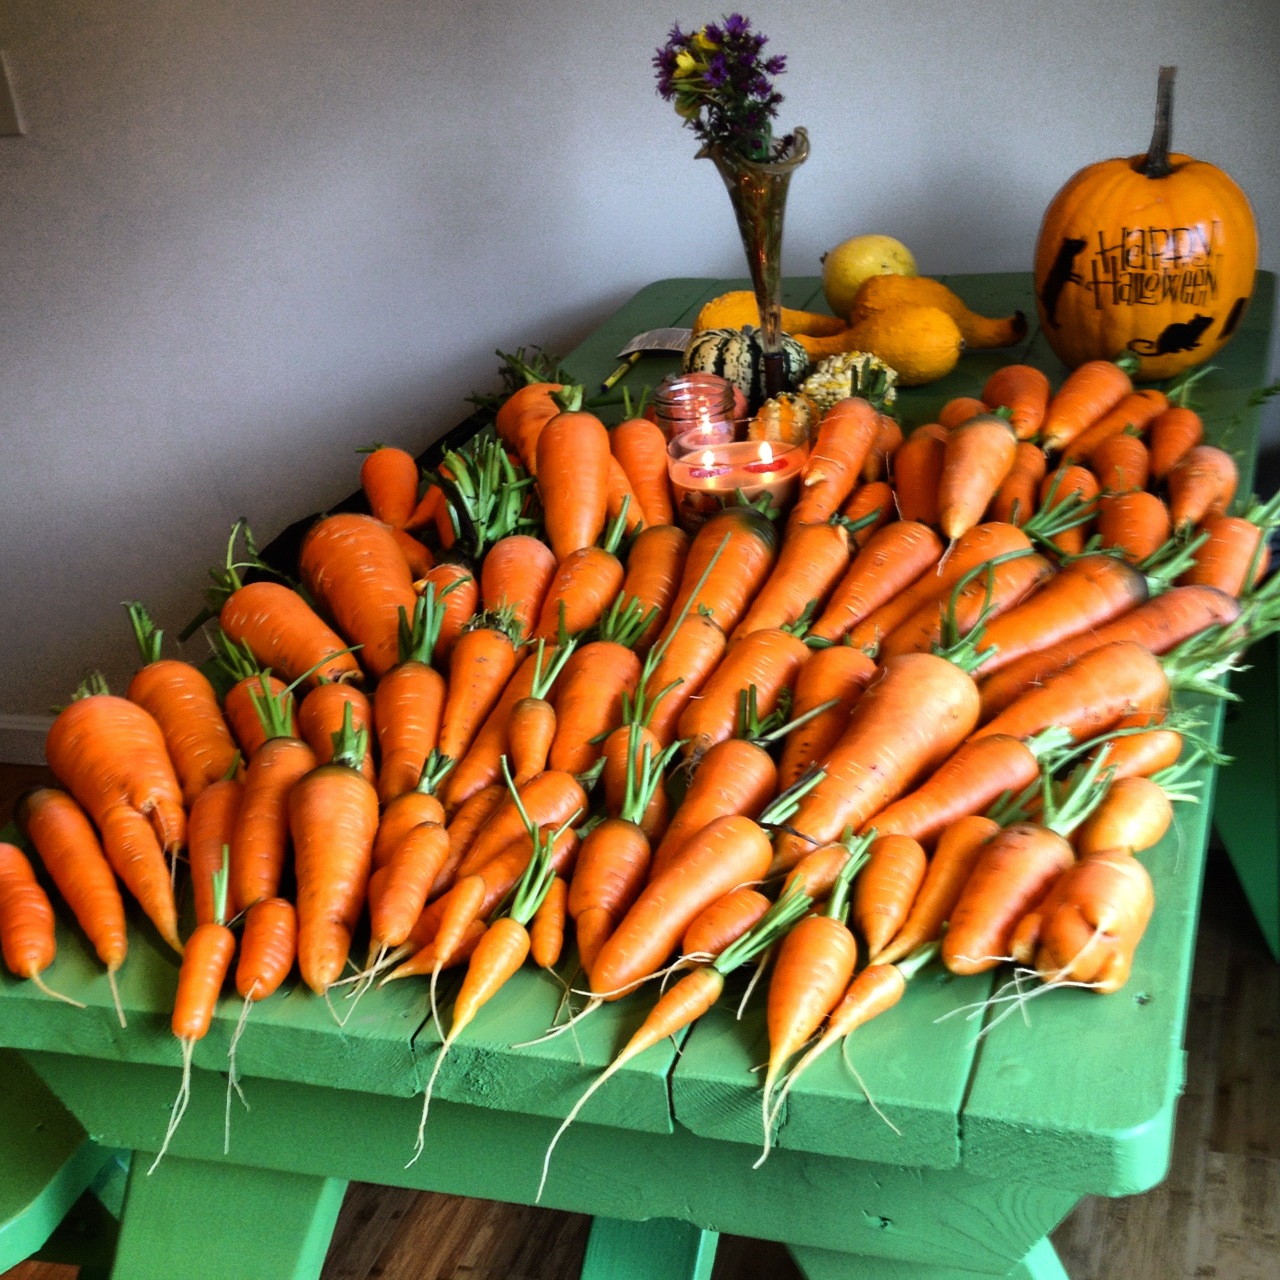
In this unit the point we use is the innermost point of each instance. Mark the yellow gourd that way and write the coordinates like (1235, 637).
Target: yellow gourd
(921, 343)
(979, 331)
(737, 309)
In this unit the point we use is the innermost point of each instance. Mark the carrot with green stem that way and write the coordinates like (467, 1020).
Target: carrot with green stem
(270, 621)
(587, 581)
(812, 967)
(486, 492)
(640, 448)
(687, 1000)
(532, 727)
(1135, 523)
(614, 858)
(260, 837)
(827, 686)
(111, 756)
(181, 698)
(654, 565)
(409, 701)
(1136, 811)
(483, 661)
(573, 466)
(875, 990)
(868, 508)
(1017, 498)
(1013, 871)
(322, 711)
(332, 817)
(1163, 621)
(501, 950)
(1072, 490)
(597, 681)
(71, 853)
(1234, 555)
(904, 725)
(1201, 483)
(722, 922)
(248, 679)
(206, 962)
(211, 826)
(516, 574)
(845, 438)
(1134, 413)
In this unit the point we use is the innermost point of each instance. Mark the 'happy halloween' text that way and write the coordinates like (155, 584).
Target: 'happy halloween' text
(1148, 266)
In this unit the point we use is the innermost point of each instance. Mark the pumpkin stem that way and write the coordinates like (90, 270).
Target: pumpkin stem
(1155, 163)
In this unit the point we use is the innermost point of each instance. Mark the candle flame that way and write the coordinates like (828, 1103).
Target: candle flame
(766, 451)
(708, 458)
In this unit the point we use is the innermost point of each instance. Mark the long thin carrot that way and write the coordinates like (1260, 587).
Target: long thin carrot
(483, 661)
(978, 456)
(27, 939)
(845, 437)
(573, 463)
(69, 850)
(211, 828)
(654, 565)
(641, 450)
(829, 683)
(886, 888)
(268, 948)
(1135, 412)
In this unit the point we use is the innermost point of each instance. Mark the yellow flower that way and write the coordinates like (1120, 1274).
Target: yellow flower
(686, 64)
(703, 42)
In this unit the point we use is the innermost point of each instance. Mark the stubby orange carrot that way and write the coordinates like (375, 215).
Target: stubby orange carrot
(1022, 390)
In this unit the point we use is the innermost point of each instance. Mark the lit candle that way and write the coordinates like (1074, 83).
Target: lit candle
(720, 475)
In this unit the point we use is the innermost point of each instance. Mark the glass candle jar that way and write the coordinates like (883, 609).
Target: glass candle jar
(696, 402)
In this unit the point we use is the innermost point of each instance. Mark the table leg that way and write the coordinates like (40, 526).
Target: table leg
(240, 1223)
(1040, 1263)
(656, 1249)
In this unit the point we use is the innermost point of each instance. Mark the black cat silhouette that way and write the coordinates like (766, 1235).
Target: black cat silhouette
(1061, 274)
(1182, 335)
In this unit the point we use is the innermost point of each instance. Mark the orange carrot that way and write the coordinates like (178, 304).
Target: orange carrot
(1086, 592)
(1201, 483)
(1176, 431)
(1140, 745)
(1158, 625)
(735, 776)
(211, 826)
(110, 754)
(483, 661)
(890, 561)
(522, 415)
(586, 582)
(1134, 413)
(641, 450)
(71, 853)
(1070, 487)
(389, 480)
(321, 713)
(960, 409)
(833, 678)
(625, 743)
(239, 705)
(1234, 555)
(458, 594)
(333, 816)
(1121, 463)
(1135, 812)
(516, 575)
(531, 730)
(879, 460)
(1088, 392)
(260, 842)
(268, 948)
(766, 661)
(352, 565)
(905, 724)
(886, 888)
(917, 472)
(729, 851)
(812, 559)
(1018, 497)
(1022, 390)
(406, 881)
(547, 928)
(846, 435)
(573, 460)
(687, 658)
(979, 455)
(550, 799)
(27, 939)
(957, 849)
(182, 700)
(868, 508)
(722, 922)
(1136, 524)
(655, 564)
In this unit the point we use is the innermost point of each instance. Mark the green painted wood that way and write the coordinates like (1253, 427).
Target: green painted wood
(1041, 1263)
(1247, 812)
(940, 1217)
(208, 1221)
(658, 1249)
(48, 1161)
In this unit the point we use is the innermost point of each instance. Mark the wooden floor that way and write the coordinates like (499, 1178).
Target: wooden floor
(1216, 1215)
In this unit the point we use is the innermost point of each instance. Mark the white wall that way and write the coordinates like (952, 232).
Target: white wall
(241, 239)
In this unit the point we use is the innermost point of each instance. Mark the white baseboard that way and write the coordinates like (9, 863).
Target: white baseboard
(22, 738)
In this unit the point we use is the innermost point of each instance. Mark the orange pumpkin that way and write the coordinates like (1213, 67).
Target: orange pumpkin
(1153, 254)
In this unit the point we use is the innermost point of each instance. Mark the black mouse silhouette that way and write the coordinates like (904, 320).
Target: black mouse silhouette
(1182, 335)
(1061, 274)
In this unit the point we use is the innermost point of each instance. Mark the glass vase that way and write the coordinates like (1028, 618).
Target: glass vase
(758, 192)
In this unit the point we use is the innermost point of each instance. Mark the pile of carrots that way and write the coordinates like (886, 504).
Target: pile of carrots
(924, 716)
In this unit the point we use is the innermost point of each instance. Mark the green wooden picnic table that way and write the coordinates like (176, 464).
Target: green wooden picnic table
(948, 1156)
